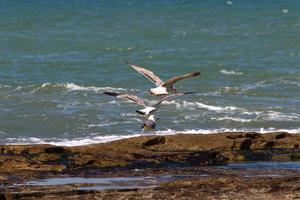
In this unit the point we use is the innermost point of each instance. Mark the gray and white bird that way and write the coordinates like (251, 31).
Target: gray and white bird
(148, 109)
(163, 88)
(149, 124)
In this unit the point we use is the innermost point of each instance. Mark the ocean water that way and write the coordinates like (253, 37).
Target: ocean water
(57, 57)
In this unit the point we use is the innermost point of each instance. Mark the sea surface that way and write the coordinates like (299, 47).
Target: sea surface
(57, 57)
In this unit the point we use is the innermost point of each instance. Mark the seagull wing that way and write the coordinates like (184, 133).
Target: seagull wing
(125, 96)
(173, 80)
(148, 74)
(171, 97)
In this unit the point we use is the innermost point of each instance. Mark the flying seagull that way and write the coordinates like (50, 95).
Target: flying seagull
(149, 124)
(148, 109)
(163, 88)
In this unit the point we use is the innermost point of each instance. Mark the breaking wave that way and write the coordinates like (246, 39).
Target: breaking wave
(105, 139)
(186, 104)
(224, 71)
(75, 87)
(236, 119)
(278, 116)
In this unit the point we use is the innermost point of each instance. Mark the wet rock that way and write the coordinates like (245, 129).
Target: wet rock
(45, 157)
(47, 167)
(295, 156)
(173, 150)
(233, 156)
(2, 179)
(207, 158)
(242, 144)
(56, 149)
(155, 141)
(278, 144)
(9, 163)
(282, 135)
(270, 144)
(253, 135)
(23, 149)
(234, 136)
(158, 155)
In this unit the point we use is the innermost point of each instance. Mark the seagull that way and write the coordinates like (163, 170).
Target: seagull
(149, 124)
(148, 109)
(163, 88)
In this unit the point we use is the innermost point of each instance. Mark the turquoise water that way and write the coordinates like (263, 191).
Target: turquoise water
(57, 57)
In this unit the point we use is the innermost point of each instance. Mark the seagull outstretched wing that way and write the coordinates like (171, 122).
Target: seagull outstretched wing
(148, 74)
(173, 80)
(125, 96)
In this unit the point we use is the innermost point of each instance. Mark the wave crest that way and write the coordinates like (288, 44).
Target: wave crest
(104, 139)
(236, 119)
(187, 104)
(224, 71)
(74, 87)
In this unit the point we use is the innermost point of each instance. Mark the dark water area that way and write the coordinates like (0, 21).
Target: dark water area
(247, 170)
(263, 165)
(57, 57)
(107, 183)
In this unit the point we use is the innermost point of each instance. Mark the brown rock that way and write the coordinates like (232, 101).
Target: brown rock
(157, 150)
(155, 141)
(242, 144)
(56, 149)
(235, 136)
(282, 135)
(253, 135)
(45, 157)
(233, 156)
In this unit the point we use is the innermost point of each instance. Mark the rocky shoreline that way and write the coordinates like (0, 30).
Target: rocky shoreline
(192, 155)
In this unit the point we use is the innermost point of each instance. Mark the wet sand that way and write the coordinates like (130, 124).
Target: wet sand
(156, 167)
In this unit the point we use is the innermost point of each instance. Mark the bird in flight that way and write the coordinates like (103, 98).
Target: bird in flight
(163, 88)
(149, 124)
(148, 109)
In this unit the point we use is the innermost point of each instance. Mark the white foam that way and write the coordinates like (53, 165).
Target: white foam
(129, 114)
(288, 82)
(112, 123)
(75, 87)
(232, 119)
(94, 140)
(228, 90)
(113, 102)
(222, 130)
(187, 104)
(278, 116)
(209, 107)
(2, 133)
(224, 71)
(5, 86)
(68, 142)
(252, 113)
(177, 104)
(104, 139)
